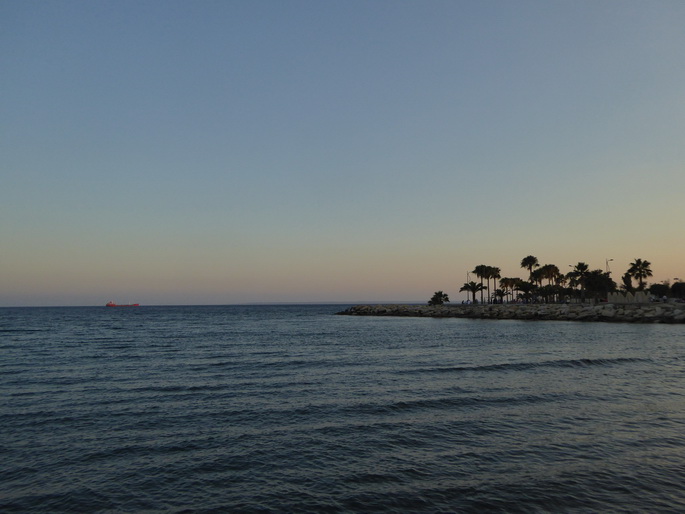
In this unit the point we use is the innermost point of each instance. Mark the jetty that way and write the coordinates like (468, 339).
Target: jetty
(606, 312)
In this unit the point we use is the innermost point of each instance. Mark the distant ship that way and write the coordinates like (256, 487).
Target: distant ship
(112, 304)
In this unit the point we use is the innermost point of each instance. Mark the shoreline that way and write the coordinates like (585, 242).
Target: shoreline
(605, 312)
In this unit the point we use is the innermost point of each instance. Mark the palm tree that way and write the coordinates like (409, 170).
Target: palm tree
(627, 283)
(481, 271)
(599, 284)
(529, 263)
(536, 276)
(548, 293)
(494, 274)
(508, 284)
(439, 298)
(526, 288)
(472, 287)
(560, 279)
(560, 282)
(578, 275)
(550, 272)
(640, 270)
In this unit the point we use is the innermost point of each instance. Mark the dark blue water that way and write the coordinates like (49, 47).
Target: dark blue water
(291, 409)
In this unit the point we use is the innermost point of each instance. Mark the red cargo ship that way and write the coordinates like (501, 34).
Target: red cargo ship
(112, 304)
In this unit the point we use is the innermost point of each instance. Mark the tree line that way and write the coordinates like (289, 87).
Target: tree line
(546, 283)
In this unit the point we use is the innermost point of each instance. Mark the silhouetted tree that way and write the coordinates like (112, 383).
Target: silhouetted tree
(439, 298)
(472, 287)
(660, 290)
(481, 271)
(599, 284)
(678, 290)
(536, 276)
(499, 295)
(494, 274)
(526, 289)
(529, 263)
(549, 272)
(640, 270)
(509, 284)
(578, 275)
(627, 283)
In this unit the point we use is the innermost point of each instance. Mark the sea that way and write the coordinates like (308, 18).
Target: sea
(291, 408)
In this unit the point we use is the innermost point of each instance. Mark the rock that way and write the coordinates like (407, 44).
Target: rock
(645, 313)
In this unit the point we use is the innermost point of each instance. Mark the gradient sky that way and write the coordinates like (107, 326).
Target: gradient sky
(217, 152)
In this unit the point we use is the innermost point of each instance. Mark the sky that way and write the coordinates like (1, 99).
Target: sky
(220, 152)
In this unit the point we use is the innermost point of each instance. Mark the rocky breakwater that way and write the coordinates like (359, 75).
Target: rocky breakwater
(636, 313)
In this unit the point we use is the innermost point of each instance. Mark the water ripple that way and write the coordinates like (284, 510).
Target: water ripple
(292, 409)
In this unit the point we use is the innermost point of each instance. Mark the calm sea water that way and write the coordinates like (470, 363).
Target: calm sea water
(291, 409)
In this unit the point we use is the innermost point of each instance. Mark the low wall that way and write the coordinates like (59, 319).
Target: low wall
(623, 298)
(627, 313)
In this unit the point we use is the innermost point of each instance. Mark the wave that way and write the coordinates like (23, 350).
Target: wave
(22, 330)
(522, 366)
(450, 403)
(329, 414)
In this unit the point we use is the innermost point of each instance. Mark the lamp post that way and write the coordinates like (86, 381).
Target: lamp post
(607, 263)
(468, 279)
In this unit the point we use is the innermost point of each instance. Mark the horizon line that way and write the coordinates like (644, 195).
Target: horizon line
(266, 303)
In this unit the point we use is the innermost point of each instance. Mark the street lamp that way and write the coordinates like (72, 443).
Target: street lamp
(607, 263)
(468, 279)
